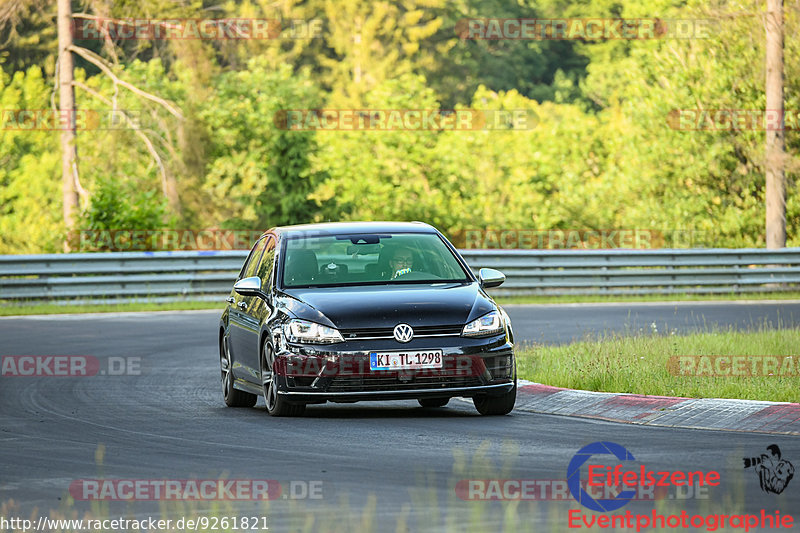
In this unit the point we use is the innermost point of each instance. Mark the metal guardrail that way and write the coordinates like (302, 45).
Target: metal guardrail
(209, 275)
(665, 271)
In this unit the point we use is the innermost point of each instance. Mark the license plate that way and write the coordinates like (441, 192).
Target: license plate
(405, 360)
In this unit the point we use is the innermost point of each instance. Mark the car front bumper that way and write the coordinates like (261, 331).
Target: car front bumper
(341, 372)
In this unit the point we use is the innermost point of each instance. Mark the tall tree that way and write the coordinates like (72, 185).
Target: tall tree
(69, 150)
(373, 41)
(775, 144)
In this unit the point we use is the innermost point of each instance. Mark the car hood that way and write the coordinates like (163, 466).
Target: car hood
(380, 306)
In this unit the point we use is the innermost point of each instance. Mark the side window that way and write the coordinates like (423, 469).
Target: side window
(252, 261)
(265, 270)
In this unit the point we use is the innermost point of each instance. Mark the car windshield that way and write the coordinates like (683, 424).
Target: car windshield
(365, 259)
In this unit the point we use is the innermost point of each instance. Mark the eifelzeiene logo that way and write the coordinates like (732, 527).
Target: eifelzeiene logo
(617, 475)
(600, 475)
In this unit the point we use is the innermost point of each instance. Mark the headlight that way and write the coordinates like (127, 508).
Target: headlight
(488, 324)
(311, 332)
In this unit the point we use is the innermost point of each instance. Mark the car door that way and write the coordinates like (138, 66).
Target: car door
(239, 320)
(256, 311)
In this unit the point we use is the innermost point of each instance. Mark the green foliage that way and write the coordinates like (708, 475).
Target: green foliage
(259, 173)
(602, 155)
(132, 164)
(30, 166)
(28, 35)
(375, 175)
(114, 207)
(712, 181)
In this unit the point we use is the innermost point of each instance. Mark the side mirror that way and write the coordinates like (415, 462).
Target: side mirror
(249, 287)
(490, 277)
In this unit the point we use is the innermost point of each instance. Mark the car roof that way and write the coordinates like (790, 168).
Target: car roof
(354, 227)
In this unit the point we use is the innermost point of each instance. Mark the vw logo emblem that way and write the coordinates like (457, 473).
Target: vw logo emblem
(403, 333)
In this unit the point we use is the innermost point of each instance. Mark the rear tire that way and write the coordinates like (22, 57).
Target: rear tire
(433, 402)
(276, 405)
(496, 405)
(233, 397)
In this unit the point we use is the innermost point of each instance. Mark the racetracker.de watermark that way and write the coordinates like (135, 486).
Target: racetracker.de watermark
(101, 28)
(77, 119)
(714, 366)
(147, 524)
(583, 29)
(557, 490)
(381, 365)
(72, 366)
(733, 119)
(560, 239)
(127, 240)
(405, 119)
(194, 489)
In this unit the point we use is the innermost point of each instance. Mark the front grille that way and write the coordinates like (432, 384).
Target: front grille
(358, 384)
(388, 333)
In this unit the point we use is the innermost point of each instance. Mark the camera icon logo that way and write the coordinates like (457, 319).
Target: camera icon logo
(774, 473)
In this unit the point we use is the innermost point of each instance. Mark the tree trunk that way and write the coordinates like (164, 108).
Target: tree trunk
(69, 151)
(775, 145)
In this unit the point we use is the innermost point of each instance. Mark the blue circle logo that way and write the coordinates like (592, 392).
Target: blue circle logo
(574, 476)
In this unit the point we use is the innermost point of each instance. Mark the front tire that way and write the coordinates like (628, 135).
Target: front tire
(496, 405)
(276, 406)
(233, 397)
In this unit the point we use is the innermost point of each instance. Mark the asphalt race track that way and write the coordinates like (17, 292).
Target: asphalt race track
(341, 467)
(558, 324)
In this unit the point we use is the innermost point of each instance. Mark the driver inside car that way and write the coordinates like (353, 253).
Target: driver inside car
(401, 262)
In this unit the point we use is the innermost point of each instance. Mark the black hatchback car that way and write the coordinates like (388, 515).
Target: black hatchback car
(344, 312)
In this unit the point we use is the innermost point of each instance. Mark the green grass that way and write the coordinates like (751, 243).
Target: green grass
(545, 299)
(51, 308)
(641, 364)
